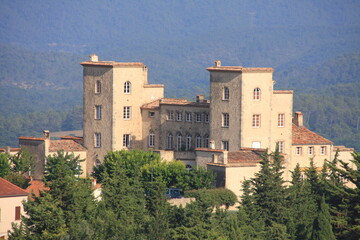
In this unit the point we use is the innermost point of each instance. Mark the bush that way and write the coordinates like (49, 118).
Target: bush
(213, 197)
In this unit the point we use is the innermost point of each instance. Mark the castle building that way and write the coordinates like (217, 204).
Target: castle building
(228, 134)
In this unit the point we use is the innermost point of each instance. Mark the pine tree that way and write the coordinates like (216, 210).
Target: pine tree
(322, 227)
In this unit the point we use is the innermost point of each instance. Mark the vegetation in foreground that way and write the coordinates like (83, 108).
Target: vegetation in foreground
(134, 206)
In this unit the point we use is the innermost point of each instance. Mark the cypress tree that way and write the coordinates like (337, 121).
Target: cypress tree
(322, 228)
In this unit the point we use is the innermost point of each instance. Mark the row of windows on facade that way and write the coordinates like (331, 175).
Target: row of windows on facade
(310, 150)
(256, 120)
(179, 144)
(127, 87)
(126, 112)
(199, 117)
(256, 94)
(126, 140)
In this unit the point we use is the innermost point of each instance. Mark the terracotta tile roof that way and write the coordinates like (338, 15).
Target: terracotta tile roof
(113, 64)
(245, 156)
(7, 189)
(35, 187)
(343, 148)
(209, 150)
(303, 136)
(239, 69)
(154, 85)
(72, 138)
(173, 101)
(11, 149)
(31, 138)
(283, 91)
(66, 145)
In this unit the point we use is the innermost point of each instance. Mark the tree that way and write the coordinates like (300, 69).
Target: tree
(23, 162)
(4, 164)
(322, 228)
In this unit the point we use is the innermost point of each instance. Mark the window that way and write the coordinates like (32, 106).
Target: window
(281, 120)
(17, 213)
(178, 141)
(127, 113)
(188, 142)
(98, 112)
(225, 145)
(256, 120)
(206, 117)
(170, 115)
(151, 114)
(188, 116)
(198, 117)
(98, 87)
(256, 145)
(310, 150)
(179, 116)
(127, 87)
(151, 139)
(257, 94)
(170, 140)
(298, 151)
(322, 150)
(226, 94)
(198, 141)
(281, 145)
(225, 120)
(206, 141)
(126, 140)
(97, 140)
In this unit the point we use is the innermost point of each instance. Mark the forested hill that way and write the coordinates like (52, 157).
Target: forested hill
(313, 46)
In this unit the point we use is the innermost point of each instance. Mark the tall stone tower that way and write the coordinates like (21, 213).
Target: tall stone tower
(245, 110)
(113, 95)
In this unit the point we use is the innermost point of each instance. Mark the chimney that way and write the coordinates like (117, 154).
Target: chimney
(7, 149)
(46, 134)
(298, 119)
(212, 144)
(217, 63)
(94, 58)
(93, 182)
(199, 98)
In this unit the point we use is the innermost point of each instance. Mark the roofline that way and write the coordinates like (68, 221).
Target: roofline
(31, 138)
(15, 195)
(113, 64)
(239, 69)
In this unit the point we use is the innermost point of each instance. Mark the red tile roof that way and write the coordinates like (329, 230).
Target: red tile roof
(7, 189)
(35, 187)
(11, 149)
(239, 69)
(113, 64)
(72, 138)
(245, 156)
(66, 145)
(303, 136)
(31, 138)
(209, 150)
(173, 101)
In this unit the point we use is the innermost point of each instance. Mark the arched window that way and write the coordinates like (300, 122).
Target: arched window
(257, 94)
(178, 141)
(198, 141)
(151, 139)
(226, 93)
(127, 87)
(170, 140)
(188, 142)
(206, 141)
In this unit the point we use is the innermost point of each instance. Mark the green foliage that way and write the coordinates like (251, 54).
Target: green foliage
(23, 162)
(322, 228)
(18, 179)
(4, 164)
(213, 197)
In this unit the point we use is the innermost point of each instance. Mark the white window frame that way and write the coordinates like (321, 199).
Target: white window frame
(311, 150)
(126, 140)
(188, 116)
(179, 116)
(226, 94)
(198, 141)
(188, 142)
(206, 117)
(97, 140)
(257, 94)
(98, 113)
(127, 87)
(178, 141)
(256, 121)
(225, 145)
(98, 87)
(127, 113)
(170, 115)
(198, 117)
(322, 150)
(225, 120)
(281, 145)
(281, 120)
(170, 141)
(151, 139)
(298, 151)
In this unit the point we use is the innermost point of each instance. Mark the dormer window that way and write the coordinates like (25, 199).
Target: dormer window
(257, 94)
(127, 87)
(226, 94)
